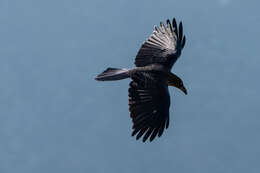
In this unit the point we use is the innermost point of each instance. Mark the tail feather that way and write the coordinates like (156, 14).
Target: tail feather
(111, 74)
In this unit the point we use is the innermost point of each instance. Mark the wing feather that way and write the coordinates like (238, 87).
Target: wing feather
(163, 46)
(149, 103)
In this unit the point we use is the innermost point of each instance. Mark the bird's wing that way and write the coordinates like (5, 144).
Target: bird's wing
(163, 46)
(149, 103)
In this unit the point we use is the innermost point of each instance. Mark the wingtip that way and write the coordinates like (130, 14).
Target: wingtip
(180, 25)
(144, 139)
(183, 41)
(180, 31)
(174, 22)
(133, 133)
(156, 28)
(169, 26)
(174, 25)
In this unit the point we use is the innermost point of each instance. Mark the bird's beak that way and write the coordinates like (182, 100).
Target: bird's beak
(183, 90)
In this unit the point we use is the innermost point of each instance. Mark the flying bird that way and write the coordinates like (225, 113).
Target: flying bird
(149, 99)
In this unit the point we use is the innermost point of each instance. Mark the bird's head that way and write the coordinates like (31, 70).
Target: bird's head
(175, 81)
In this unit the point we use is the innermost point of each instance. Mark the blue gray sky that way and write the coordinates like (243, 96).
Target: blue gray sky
(55, 118)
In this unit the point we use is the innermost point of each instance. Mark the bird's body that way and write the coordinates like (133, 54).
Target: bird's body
(149, 99)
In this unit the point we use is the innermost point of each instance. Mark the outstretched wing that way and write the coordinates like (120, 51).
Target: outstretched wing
(163, 46)
(149, 103)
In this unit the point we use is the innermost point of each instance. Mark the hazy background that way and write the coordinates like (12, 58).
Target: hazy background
(54, 118)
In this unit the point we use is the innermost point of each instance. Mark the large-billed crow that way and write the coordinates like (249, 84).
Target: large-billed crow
(149, 98)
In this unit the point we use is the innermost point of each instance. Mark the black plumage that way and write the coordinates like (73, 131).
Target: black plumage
(149, 103)
(149, 99)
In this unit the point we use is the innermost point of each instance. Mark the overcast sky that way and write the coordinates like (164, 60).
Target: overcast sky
(54, 118)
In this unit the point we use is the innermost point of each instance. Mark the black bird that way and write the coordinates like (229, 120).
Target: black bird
(149, 99)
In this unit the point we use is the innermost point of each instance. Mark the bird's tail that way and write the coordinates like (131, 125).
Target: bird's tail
(111, 74)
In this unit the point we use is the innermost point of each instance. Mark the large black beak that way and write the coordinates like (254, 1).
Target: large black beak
(183, 90)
